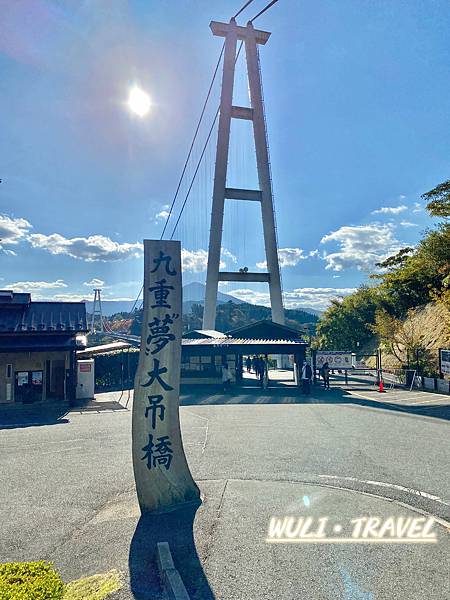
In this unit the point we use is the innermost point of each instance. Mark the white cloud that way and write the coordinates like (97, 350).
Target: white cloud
(408, 224)
(196, 261)
(163, 213)
(417, 207)
(30, 286)
(288, 257)
(361, 246)
(94, 282)
(12, 231)
(317, 298)
(390, 210)
(90, 249)
(402, 196)
(224, 253)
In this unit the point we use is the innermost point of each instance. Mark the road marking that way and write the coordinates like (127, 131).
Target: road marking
(388, 485)
(205, 441)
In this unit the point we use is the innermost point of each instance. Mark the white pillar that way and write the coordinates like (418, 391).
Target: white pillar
(220, 178)
(265, 183)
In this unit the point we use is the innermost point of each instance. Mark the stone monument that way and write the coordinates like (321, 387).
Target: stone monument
(163, 479)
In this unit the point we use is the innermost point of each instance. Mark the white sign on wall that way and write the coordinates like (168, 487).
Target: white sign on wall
(445, 361)
(335, 359)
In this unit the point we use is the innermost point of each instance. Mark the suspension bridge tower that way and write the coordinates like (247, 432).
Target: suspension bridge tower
(97, 312)
(251, 38)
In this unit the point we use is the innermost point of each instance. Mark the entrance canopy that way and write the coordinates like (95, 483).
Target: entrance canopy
(227, 345)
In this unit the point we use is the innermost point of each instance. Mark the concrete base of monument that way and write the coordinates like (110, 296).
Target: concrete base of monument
(238, 544)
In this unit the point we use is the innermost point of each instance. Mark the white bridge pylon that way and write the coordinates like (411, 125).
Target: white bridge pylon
(255, 113)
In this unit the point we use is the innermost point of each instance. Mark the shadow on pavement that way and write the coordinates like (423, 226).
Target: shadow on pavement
(176, 528)
(291, 395)
(24, 416)
(340, 396)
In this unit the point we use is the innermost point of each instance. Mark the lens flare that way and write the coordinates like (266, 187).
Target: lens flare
(139, 102)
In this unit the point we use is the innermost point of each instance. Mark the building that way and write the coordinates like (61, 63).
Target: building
(204, 351)
(38, 344)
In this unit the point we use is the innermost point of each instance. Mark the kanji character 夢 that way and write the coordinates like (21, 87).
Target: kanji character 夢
(160, 334)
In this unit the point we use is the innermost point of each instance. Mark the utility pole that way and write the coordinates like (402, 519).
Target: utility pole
(255, 113)
(97, 311)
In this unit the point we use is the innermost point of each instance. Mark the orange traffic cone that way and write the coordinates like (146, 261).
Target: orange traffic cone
(381, 387)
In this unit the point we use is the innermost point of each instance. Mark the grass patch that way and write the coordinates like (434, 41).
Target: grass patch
(40, 581)
(96, 587)
(30, 580)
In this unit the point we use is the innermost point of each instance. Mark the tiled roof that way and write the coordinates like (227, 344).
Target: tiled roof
(43, 317)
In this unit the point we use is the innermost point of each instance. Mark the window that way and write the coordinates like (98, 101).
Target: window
(8, 371)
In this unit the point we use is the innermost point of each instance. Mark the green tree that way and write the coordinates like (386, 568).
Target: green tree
(439, 200)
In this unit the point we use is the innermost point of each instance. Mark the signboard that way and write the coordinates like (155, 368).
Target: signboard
(445, 361)
(85, 367)
(335, 359)
(162, 475)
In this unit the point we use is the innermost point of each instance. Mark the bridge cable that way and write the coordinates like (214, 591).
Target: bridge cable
(242, 8)
(201, 156)
(263, 10)
(193, 141)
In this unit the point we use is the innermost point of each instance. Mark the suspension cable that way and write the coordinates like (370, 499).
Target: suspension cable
(193, 141)
(242, 8)
(201, 155)
(263, 10)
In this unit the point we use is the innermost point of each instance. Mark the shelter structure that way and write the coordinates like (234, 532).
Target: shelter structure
(38, 344)
(203, 356)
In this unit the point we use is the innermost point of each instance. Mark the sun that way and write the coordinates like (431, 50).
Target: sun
(139, 101)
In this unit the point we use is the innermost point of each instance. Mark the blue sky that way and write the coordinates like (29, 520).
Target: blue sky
(357, 98)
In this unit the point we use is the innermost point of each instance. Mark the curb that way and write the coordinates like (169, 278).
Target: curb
(170, 576)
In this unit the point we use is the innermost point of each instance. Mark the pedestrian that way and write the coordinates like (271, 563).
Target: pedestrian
(325, 372)
(248, 364)
(306, 378)
(226, 377)
(255, 364)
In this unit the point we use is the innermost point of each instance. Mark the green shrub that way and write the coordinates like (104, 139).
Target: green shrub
(30, 581)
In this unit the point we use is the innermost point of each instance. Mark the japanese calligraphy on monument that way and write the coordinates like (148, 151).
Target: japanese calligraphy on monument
(161, 472)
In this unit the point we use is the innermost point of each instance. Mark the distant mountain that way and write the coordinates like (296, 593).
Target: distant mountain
(111, 307)
(195, 293)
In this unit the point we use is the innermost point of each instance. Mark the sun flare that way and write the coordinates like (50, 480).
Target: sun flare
(139, 101)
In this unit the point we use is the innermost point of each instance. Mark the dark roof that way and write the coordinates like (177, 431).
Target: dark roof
(265, 329)
(209, 346)
(19, 315)
(8, 298)
(39, 343)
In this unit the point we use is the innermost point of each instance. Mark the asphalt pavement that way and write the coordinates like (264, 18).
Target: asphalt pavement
(67, 491)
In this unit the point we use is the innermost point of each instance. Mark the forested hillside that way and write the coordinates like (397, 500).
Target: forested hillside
(388, 308)
(231, 315)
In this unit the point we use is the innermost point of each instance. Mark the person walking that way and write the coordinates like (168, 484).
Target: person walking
(325, 372)
(248, 364)
(260, 370)
(226, 377)
(306, 378)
